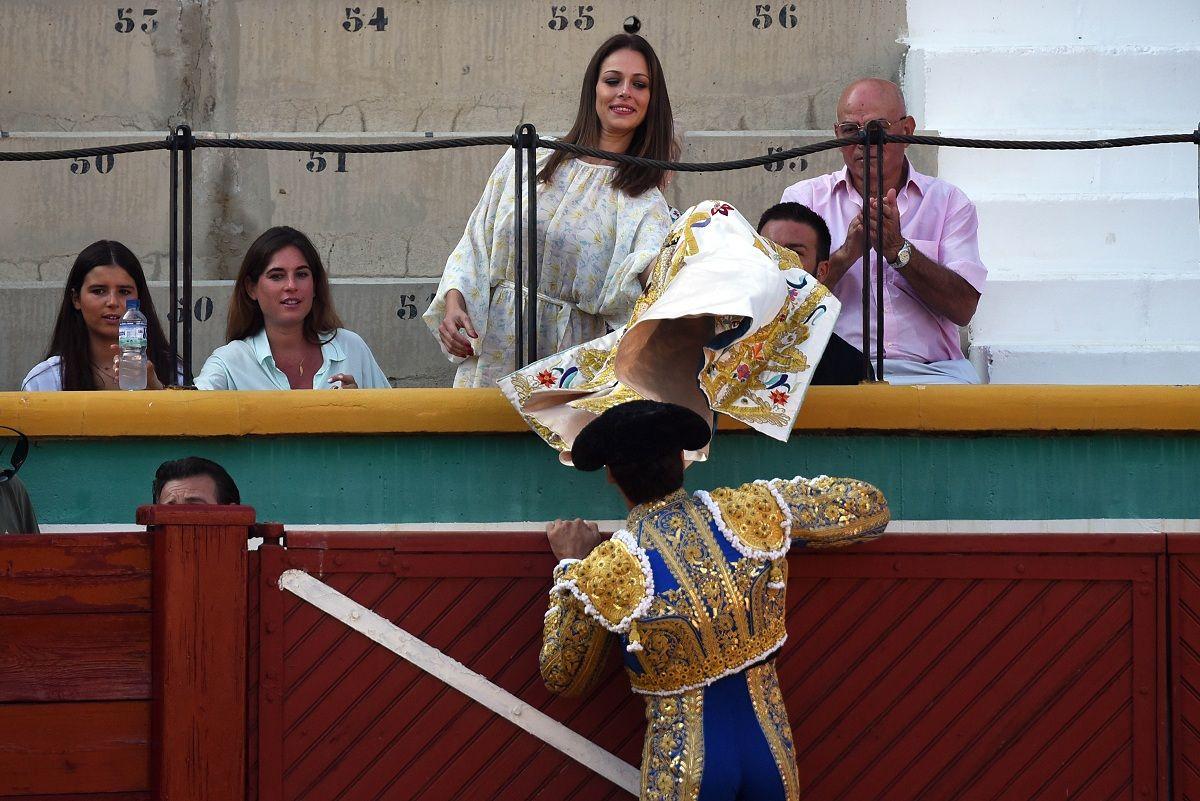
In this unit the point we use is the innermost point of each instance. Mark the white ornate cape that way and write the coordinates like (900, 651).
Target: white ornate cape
(729, 323)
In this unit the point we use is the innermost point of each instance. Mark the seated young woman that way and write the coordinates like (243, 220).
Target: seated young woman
(284, 332)
(80, 357)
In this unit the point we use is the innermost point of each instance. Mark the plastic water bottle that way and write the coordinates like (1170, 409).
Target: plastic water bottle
(131, 339)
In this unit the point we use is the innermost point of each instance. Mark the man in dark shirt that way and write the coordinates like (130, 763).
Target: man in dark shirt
(802, 231)
(16, 510)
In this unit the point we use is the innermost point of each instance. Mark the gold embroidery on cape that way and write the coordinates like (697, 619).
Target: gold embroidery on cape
(767, 604)
(611, 577)
(595, 366)
(721, 616)
(834, 511)
(598, 405)
(673, 754)
(767, 698)
(774, 349)
(574, 648)
(752, 514)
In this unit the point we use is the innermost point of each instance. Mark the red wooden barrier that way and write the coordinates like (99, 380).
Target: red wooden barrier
(1184, 632)
(918, 667)
(199, 665)
(75, 666)
(84, 618)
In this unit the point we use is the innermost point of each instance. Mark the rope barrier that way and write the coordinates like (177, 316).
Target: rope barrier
(330, 147)
(710, 166)
(1085, 144)
(85, 152)
(1192, 137)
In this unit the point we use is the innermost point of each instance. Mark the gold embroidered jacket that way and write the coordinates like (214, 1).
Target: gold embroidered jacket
(694, 585)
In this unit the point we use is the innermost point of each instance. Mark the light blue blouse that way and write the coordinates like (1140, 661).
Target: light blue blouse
(248, 364)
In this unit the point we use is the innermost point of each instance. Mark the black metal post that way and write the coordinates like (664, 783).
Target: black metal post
(876, 131)
(518, 252)
(529, 141)
(173, 315)
(184, 132)
(866, 258)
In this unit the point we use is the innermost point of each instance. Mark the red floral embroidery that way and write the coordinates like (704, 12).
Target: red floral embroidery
(546, 378)
(742, 372)
(721, 208)
(779, 397)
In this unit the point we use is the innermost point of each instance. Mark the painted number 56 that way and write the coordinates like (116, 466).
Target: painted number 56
(764, 18)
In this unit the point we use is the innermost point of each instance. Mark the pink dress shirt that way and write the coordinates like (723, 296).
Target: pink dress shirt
(939, 220)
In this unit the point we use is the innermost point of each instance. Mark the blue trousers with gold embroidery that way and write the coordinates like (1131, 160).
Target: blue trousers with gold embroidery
(730, 741)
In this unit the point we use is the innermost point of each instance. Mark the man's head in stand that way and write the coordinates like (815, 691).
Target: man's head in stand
(642, 444)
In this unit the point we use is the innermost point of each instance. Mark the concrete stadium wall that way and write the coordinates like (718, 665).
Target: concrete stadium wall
(457, 65)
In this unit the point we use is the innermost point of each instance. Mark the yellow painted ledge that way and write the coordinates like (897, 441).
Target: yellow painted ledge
(469, 411)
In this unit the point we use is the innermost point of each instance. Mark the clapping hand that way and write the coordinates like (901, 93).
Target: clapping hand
(893, 240)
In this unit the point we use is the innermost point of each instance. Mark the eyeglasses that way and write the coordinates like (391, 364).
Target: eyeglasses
(18, 455)
(845, 130)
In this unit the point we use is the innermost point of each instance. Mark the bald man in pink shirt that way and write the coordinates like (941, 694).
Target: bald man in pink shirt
(933, 277)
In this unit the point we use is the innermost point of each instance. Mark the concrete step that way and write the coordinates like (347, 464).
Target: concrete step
(1068, 267)
(1150, 169)
(386, 313)
(1025, 363)
(1104, 230)
(465, 65)
(956, 88)
(1087, 310)
(1085, 22)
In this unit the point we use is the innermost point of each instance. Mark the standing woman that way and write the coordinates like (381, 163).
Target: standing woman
(599, 225)
(80, 357)
(283, 330)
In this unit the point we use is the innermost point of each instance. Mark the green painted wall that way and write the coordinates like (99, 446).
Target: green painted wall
(479, 478)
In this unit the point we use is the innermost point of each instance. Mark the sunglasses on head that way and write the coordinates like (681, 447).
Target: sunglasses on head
(18, 455)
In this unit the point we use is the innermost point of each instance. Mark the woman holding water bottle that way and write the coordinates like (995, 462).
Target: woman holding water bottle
(104, 276)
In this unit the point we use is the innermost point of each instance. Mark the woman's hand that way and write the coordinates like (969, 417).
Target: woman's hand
(456, 326)
(347, 381)
(152, 381)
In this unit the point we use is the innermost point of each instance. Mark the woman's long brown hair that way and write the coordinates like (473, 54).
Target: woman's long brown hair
(245, 316)
(652, 139)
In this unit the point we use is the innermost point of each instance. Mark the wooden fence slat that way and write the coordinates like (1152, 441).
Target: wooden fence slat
(74, 748)
(75, 573)
(74, 657)
(135, 796)
(73, 595)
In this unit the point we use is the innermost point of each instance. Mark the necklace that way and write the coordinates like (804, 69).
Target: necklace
(108, 377)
